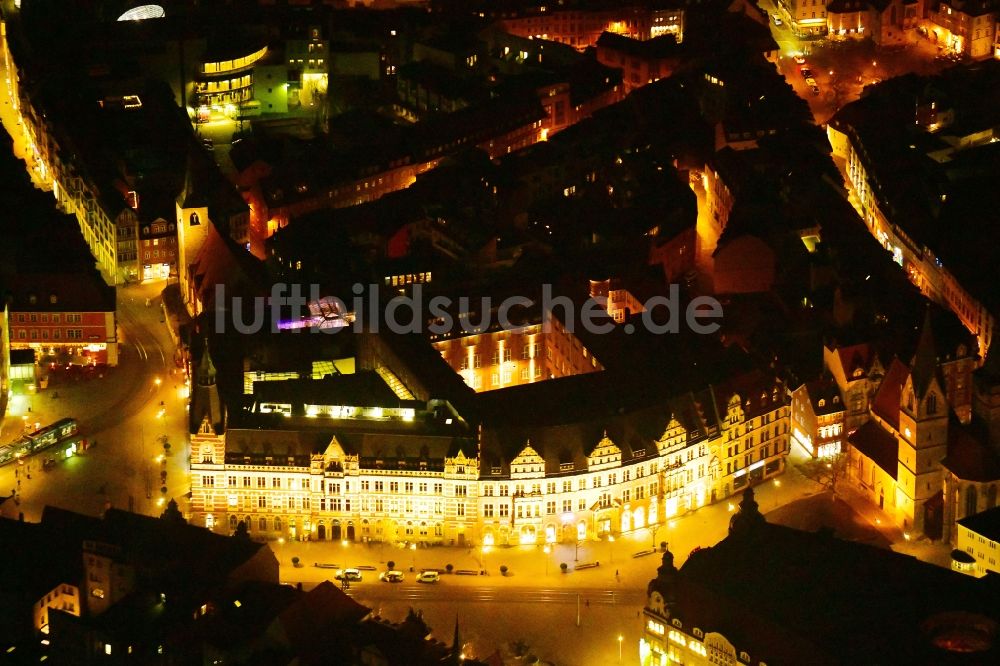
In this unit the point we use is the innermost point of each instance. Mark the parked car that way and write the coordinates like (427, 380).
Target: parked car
(209, 144)
(391, 576)
(776, 19)
(800, 59)
(428, 577)
(815, 90)
(811, 82)
(805, 72)
(348, 574)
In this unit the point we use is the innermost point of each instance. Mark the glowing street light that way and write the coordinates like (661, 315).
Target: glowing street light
(157, 381)
(620, 640)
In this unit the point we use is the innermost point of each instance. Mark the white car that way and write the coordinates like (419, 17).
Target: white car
(428, 577)
(776, 19)
(348, 574)
(391, 576)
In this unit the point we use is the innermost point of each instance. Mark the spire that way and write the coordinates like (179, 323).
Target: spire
(189, 196)
(924, 366)
(206, 404)
(205, 373)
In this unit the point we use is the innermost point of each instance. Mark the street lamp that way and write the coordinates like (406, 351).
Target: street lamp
(413, 556)
(620, 639)
(611, 540)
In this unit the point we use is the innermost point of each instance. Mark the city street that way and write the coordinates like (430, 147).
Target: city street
(121, 416)
(843, 68)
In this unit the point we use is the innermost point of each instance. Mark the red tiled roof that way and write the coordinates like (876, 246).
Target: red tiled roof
(887, 399)
(854, 357)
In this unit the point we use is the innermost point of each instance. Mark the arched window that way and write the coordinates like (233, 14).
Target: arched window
(971, 500)
(931, 404)
(262, 524)
(277, 524)
(194, 219)
(232, 522)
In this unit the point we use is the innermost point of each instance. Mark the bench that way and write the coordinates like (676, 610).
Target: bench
(322, 565)
(466, 572)
(586, 565)
(365, 567)
(643, 553)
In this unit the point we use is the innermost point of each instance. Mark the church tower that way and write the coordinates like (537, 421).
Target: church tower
(208, 443)
(192, 226)
(923, 437)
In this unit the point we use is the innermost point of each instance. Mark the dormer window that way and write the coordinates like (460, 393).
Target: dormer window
(53, 299)
(822, 402)
(194, 220)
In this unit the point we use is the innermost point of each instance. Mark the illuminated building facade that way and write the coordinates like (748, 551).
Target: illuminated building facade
(901, 459)
(68, 315)
(978, 535)
(158, 249)
(806, 17)
(225, 79)
(581, 28)
(496, 359)
(817, 418)
(309, 56)
(967, 27)
(857, 371)
(921, 263)
(347, 458)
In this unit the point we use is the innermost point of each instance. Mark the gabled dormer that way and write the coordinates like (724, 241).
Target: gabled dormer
(606, 455)
(335, 461)
(673, 438)
(461, 466)
(735, 412)
(207, 448)
(527, 464)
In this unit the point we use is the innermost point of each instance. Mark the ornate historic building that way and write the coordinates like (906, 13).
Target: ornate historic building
(918, 458)
(346, 457)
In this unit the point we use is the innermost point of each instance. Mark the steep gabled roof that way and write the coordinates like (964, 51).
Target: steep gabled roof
(887, 399)
(879, 446)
